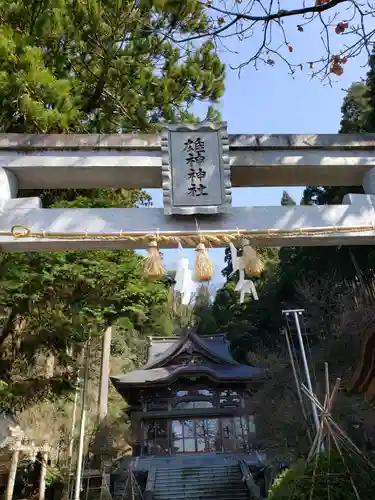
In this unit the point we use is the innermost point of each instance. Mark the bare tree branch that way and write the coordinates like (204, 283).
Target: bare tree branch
(270, 28)
(283, 13)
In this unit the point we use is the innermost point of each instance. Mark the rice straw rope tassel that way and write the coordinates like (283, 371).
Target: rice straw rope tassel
(204, 269)
(253, 264)
(153, 266)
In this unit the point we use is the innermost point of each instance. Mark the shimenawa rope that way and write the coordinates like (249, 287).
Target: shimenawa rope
(213, 238)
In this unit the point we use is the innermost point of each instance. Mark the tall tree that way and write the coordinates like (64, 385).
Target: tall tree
(345, 265)
(78, 66)
(287, 200)
(355, 109)
(202, 316)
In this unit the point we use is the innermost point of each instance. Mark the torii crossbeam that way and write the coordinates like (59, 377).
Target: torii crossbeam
(136, 161)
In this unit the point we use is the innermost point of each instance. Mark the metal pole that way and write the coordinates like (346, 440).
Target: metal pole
(298, 386)
(72, 436)
(306, 367)
(77, 490)
(73, 426)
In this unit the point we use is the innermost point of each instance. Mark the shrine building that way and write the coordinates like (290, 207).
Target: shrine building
(190, 407)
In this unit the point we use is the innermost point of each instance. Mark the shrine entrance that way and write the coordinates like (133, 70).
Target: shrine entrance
(163, 161)
(191, 407)
(196, 166)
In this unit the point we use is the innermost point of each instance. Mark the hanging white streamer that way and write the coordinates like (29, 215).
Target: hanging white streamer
(189, 287)
(237, 262)
(182, 267)
(248, 287)
(243, 286)
(184, 279)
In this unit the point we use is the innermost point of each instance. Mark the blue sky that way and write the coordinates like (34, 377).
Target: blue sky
(270, 101)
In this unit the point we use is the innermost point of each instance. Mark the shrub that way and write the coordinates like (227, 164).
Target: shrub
(329, 478)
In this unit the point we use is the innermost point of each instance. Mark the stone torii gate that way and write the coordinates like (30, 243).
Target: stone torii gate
(157, 161)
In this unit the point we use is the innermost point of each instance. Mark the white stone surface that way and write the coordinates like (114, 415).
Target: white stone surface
(358, 199)
(8, 184)
(369, 181)
(89, 161)
(20, 203)
(149, 220)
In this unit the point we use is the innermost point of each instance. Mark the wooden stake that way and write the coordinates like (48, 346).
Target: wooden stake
(43, 471)
(82, 427)
(13, 469)
(104, 374)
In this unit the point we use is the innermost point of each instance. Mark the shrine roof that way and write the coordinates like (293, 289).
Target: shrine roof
(169, 374)
(163, 350)
(203, 356)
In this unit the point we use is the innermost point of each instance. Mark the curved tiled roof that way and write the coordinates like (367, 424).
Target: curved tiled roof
(170, 373)
(215, 348)
(163, 368)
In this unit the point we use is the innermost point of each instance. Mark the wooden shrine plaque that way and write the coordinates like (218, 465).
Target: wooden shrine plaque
(195, 169)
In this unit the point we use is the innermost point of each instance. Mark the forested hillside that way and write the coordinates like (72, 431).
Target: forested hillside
(335, 287)
(83, 67)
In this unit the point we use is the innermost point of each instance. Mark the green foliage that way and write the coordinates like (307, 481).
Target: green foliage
(250, 325)
(53, 475)
(100, 66)
(76, 66)
(287, 200)
(329, 477)
(202, 316)
(57, 299)
(355, 109)
(345, 264)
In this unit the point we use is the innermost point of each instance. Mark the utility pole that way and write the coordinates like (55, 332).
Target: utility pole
(296, 313)
(82, 426)
(104, 374)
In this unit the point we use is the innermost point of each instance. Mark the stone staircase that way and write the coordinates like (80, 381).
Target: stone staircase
(214, 482)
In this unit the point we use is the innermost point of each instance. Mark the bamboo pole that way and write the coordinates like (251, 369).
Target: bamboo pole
(16, 448)
(78, 478)
(104, 374)
(43, 471)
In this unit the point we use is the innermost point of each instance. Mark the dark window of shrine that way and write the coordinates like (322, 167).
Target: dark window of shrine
(193, 399)
(158, 402)
(230, 399)
(207, 435)
(192, 405)
(195, 435)
(157, 405)
(237, 433)
(181, 394)
(156, 440)
(195, 392)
